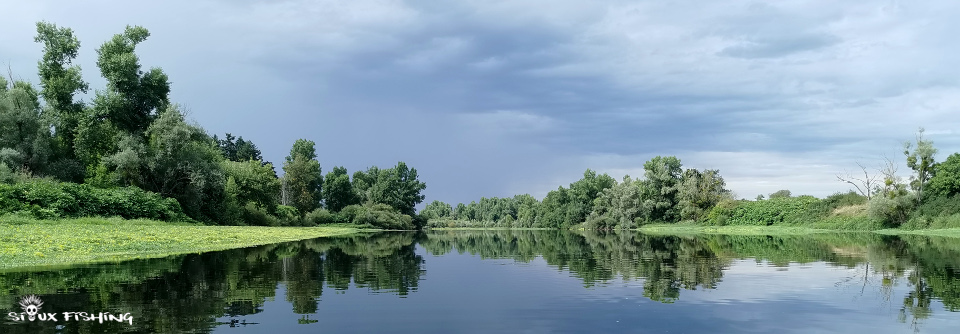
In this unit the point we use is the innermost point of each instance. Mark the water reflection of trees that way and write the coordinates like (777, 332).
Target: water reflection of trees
(669, 264)
(187, 294)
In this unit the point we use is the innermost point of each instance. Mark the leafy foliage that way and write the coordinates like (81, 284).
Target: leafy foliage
(337, 190)
(660, 188)
(50, 199)
(132, 96)
(774, 211)
(302, 179)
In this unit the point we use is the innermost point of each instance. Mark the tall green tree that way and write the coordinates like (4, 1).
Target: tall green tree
(254, 183)
(399, 188)
(177, 159)
(60, 82)
(583, 193)
(661, 186)
(617, 206)
(238, 149)
(436, 210)
(363, 181)
(526, 210)
(699, 192)
(552, 212)
(23, 131)
(302, 176)
(132, 97)
(946, 180)
(337, 190)
(920, 158)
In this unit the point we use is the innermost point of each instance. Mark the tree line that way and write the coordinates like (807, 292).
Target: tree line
(132, 136)
(667, 194)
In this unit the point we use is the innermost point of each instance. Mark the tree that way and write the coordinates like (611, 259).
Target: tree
(253, 182)
(699, 192)
(783, 193)
(337, 190)
(22, 128)
(865, 185)
(946, 180)
(921, 161)
(662, 178)
(552, 211)
(437, 209)
(177, 160)
(132, 97)
(893, 185)
(237, 149)
(399, 188)
(362, 181)
(60, 81)
(303, 148)
(302, 176)
(617, 206)
(583, 193)
(526, 210)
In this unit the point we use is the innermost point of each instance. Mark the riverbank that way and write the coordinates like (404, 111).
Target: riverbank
(43, 243)
(782, 230)
(690, 229)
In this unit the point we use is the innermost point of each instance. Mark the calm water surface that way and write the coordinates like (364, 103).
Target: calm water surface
(516, 282)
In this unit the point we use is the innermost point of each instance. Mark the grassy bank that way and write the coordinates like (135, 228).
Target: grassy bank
(681, 229)
(730, 230)
(33, 243)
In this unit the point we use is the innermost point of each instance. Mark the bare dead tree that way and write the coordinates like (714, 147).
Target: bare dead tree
(864, 185)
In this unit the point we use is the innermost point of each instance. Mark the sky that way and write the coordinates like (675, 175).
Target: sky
(496, 98)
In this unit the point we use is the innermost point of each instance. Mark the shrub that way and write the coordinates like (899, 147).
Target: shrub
(826, 207)
(49, 199)
(288, 215)
(938, 206)
(254, 215)
(722, 212)
(321, 217)
(893, 212)
(774, 211)
(6, 174)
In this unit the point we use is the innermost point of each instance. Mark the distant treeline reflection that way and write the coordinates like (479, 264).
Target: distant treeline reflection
(669, 264)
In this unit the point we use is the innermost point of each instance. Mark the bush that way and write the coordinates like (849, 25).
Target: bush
(321, 217)
(288, 215)
(376, 215)
(938, 206)
(892, 212)
(253, 215)
(774, 211)
(6, 174)
(823, 209)
(50, 199)
(932, 222)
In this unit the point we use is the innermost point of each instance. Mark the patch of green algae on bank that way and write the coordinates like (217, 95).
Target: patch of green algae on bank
(42, 243)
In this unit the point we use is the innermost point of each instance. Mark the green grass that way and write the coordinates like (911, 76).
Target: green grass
(26, 242)
(673, 229)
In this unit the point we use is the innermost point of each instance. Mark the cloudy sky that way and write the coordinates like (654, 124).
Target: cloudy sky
(495, 98)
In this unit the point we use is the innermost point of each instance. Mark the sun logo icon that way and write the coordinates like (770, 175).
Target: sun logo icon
(31, 306)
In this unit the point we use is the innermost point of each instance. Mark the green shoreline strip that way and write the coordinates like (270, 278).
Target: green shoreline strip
(33, 243)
